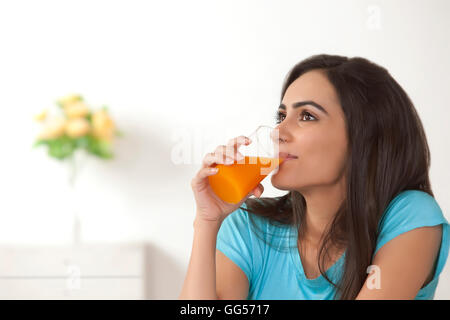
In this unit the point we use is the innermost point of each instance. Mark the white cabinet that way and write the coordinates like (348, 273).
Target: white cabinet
(103, 271)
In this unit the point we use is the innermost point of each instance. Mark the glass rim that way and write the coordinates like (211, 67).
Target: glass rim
(259, 127)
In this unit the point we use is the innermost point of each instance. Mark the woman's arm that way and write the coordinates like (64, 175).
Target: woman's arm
(200, 281)
(403, 265)
(231, 281)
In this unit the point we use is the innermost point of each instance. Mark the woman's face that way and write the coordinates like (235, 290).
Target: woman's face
(317, 138)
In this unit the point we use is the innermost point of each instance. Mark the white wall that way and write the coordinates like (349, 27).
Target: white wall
(211, 68)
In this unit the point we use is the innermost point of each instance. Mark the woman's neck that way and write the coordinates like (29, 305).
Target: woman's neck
(322, 205)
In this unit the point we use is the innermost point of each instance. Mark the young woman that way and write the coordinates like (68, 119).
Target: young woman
(359, 221)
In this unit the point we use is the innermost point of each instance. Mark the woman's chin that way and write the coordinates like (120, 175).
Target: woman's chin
(278, 183)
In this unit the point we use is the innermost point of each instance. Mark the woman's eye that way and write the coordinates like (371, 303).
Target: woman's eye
(279, 116)
(306, 113)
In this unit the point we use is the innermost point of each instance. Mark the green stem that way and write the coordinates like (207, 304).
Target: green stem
(76, 220)
(73, 171)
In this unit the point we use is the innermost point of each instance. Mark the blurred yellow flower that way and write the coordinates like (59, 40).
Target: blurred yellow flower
(102, 125)
(71, 98)
(76, 109)
(77, 127)
(54, 128)
(41, 116)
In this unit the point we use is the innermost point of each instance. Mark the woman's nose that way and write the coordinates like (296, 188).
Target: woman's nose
(281, 139)
(278, 136)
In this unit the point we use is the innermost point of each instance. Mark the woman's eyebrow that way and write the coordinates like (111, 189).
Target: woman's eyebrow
(302, 103)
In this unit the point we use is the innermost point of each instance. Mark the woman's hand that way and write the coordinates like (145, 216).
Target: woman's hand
(209, 206)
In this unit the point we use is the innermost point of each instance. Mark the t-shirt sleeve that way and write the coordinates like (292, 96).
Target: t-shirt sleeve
(234, 240)
(413, 209)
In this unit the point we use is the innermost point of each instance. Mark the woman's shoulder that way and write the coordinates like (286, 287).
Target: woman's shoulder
(415, 205)
(246, 220)
(408, 210)
(415, 195)
(243, 216)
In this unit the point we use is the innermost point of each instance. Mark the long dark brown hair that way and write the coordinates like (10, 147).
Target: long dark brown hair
(388, 154)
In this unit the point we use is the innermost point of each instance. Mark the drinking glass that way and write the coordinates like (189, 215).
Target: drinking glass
(233, 182)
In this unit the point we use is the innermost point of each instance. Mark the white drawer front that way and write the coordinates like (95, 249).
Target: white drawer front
(84, 272)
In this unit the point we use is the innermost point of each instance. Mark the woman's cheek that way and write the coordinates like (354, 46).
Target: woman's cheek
(322, 159)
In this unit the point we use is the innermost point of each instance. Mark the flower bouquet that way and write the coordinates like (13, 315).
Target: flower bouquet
(76, 127)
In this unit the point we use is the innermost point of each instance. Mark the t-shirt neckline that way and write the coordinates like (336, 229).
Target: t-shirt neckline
(331, 272)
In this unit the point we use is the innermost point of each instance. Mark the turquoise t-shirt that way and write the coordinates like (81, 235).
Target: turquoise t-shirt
(275, 275)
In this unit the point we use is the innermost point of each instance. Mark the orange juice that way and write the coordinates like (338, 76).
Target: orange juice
(233, 182)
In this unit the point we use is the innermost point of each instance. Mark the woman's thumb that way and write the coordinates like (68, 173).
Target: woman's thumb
(257, 192)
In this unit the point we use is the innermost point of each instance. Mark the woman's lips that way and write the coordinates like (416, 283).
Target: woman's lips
(286, 156)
